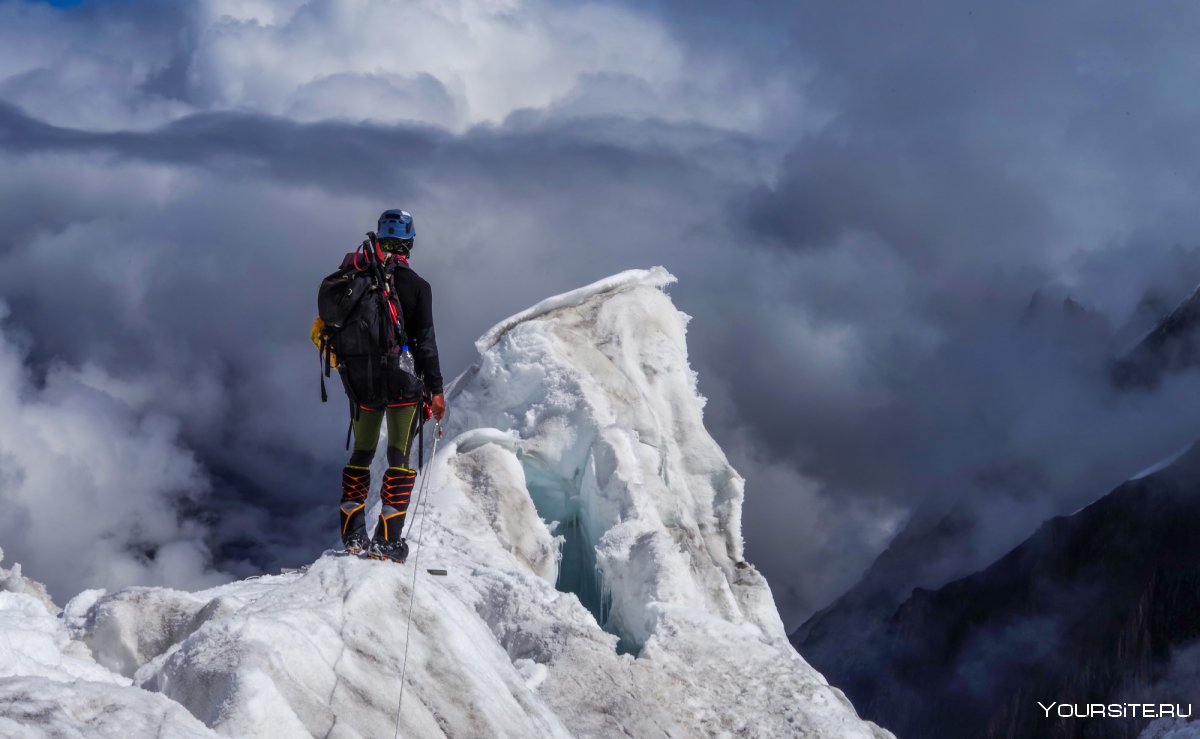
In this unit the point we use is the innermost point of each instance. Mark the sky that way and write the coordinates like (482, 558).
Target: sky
(860, 202)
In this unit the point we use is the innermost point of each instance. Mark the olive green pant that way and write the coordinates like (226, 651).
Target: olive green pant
(401, 426)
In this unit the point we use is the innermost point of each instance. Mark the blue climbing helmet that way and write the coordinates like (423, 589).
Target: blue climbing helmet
(396, 231)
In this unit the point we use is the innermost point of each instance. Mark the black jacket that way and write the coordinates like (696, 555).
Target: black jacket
(416, 300)
(416, 303)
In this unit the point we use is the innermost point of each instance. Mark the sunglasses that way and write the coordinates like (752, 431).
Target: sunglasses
(393, 245)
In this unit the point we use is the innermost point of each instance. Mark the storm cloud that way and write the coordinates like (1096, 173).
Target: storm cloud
(860, 204)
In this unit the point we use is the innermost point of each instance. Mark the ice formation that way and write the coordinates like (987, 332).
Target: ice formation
(51, 686)
(591, 530)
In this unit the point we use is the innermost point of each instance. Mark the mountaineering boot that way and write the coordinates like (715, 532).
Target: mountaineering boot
(396, 551)
(397, 490)
(356, 482)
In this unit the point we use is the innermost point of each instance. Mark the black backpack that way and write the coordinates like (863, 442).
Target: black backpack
(372, 354)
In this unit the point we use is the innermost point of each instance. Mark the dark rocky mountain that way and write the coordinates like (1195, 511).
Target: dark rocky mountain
(1151, 309)
(917, 555)
(1173, 344)
(1097, 607)
(1069, 319)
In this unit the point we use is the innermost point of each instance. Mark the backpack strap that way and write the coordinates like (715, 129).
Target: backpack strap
(324, 369)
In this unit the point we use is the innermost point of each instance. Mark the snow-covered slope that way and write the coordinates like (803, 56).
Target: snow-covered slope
(51, 686)
(591, 530)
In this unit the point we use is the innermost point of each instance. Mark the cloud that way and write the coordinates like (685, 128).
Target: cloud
(453, 65)
(969, 156)
(92, 486)
(1076, 111)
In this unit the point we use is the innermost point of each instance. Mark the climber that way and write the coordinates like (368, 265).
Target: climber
(375, 326)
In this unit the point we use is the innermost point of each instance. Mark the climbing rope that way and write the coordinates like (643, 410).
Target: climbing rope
(412, 591)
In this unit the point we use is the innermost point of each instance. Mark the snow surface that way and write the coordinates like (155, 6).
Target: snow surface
(1162, 464)
(51, 686)
(1153, 469)
(592, 532)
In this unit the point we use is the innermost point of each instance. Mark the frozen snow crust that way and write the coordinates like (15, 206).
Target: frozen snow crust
(51, 686)
(596, 586)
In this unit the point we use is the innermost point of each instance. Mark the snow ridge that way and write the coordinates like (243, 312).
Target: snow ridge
(592, 532)
(653, 277)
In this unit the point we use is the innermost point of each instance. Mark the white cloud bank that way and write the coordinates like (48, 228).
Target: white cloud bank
(448, 64)
(89, 483)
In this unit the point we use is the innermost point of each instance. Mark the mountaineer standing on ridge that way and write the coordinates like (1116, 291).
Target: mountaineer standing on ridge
(375, 326)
